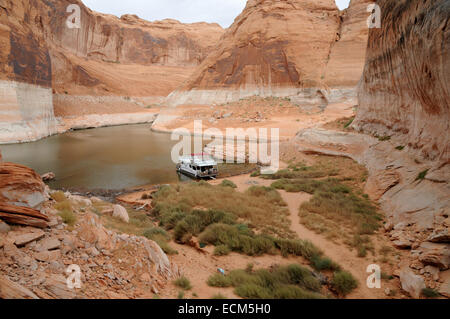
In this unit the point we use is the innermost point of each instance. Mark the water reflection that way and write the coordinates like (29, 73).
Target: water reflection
(110, 158)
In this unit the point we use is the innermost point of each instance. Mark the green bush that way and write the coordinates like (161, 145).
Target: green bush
(297, 247)
(288, 282)
(219, 280)
(430, 293)
(237, 240)
(343, 282)
(194, 223)
(422, 175)
(218, 296)
(161, 237)
(228, 183)
(222, 250)
(323, 263)
(183, 283)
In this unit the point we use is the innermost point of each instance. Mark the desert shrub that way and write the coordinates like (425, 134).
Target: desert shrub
(161, 237)
(65, 211)
(255, 174)
(430, 293)
(222, 250)
(228, 183)
(153, 232)
(237, 240)
(297, 247)
(68, 217)
(183, 283)
(219, 280)
(321, 263)
(422, 175)
(287, 282)
(343, 282)
(58, 196)
(269, 193)
(194, 223)
(349, 122)
(265, 212)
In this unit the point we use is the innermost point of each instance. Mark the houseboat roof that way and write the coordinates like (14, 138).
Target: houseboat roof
(198, 160)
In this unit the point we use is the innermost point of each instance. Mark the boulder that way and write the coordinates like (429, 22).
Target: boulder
(121, 213)
(93, 232)
(411, 283)
(21, 186)
(48, 256)
(445, 287)
(48, 176)
(23, 216)
(440, 236)
(435, 254)
(12, 290)
(50, 243)
(22, 240)
(4, 228)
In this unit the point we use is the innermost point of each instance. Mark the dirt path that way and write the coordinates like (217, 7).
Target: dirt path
(339, 253)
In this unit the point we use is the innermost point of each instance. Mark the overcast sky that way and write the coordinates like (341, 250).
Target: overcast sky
(187, 11)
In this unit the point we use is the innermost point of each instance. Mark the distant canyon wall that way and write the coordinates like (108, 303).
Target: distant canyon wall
(106, 56)
(26, 112)
(304, 49)
(405, 89)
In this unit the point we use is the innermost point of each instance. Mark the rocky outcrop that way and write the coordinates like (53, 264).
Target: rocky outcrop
(411, 283)
(21, 186)
(405, 88)
(36, 263)
(283, 48)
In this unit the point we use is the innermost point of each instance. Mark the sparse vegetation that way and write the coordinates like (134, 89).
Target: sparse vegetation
(183, 283)
(287, 282)
(422, 175)
(68, 217)
(65, 210)
(229, 169)
(58, 196)
(222, 250)
(349, 122)
(343, 282)
(400, 148)
(383, 138)
(228, 183)
(260, 208)
(218, 296)
(430, 293)
(161, 237)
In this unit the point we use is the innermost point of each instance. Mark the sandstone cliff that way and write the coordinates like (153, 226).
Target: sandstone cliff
(283, 48)
(48, 69)
(405, 89)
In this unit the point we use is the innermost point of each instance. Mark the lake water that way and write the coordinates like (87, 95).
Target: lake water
(103, 158)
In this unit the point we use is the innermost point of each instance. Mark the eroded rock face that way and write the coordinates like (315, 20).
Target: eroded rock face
(21, 186)
(405, 89)
(283, 48)
(47, 67)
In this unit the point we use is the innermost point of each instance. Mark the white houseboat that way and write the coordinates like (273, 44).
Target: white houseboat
(198, 166)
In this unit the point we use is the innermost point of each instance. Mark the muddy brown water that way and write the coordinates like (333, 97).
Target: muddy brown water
(109, 158)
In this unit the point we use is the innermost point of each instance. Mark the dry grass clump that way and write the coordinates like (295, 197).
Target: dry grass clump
(65, 211)
(183, 283)
(262, 208)
(287, 282)
(338, 209)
